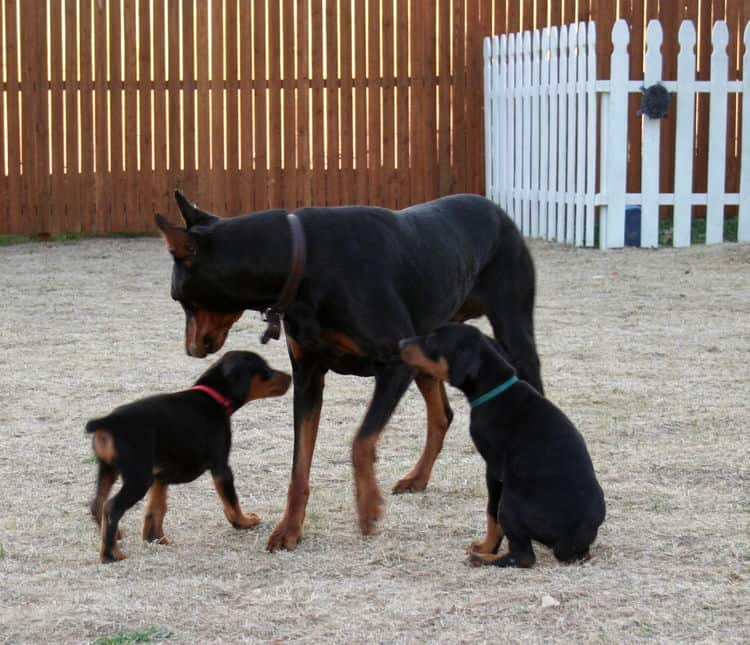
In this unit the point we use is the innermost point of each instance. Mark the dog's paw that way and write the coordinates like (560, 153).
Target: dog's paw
(115, 555)
(249, 521)
(483, 546)
(410, 484)
(370, 510)
(478, 559)
(284, 537)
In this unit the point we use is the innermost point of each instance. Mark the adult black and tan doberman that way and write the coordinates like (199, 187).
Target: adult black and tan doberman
(370, 277)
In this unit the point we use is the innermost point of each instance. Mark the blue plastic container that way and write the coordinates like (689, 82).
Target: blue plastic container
(632, 226)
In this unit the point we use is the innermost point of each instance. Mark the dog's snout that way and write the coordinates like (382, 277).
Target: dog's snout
(208, 344)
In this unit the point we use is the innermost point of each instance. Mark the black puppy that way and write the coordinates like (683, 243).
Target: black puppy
(173, 439)
(540, 479)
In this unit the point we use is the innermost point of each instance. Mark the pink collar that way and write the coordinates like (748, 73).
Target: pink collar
(221, 400)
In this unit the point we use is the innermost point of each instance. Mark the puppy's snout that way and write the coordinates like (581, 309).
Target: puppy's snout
(282, 381)
(208, 345)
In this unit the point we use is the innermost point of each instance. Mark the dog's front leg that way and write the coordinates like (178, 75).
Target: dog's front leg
(390, 384)
(308, 400)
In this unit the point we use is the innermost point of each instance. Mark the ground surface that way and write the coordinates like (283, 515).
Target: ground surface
(648, 352)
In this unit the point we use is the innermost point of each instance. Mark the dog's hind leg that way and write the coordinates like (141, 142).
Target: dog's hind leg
(391, 382)
(439, 417)
(133, 489)
(156, 508)
(224, 483)
(105, 478)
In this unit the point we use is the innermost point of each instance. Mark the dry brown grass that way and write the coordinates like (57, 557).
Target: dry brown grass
(648, 352)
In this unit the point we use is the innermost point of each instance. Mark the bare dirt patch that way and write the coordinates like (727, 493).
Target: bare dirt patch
(648, 352)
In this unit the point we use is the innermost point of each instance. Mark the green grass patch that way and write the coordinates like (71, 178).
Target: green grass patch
(148, 635)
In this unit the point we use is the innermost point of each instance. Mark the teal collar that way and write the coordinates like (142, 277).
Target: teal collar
(494, 392)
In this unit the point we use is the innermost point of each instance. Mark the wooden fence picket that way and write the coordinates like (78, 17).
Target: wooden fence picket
(651, 141)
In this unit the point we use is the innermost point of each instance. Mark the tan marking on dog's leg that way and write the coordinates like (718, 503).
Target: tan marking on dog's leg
(369, 500)
(433, 392)
(115, 553)
(491, 542)
(233, 511)
(288, 531)
(156, 509)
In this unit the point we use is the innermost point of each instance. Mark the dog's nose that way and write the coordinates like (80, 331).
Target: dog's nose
(208, 344)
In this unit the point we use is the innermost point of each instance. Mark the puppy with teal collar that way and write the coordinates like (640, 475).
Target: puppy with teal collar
(541, 483)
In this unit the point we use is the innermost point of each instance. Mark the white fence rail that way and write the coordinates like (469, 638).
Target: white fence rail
(556, 137)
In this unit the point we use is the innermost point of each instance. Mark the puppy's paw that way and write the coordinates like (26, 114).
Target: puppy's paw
(114, 555)
(410, 484)
(249, 521)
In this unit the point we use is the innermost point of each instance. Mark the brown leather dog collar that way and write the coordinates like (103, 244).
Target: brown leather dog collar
(275, 313)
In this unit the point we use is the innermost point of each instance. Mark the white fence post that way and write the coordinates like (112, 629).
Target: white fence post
(591, 134)
(535, 123)
(553, 134)
(684, 136)
(743, 225)
(617, 138)
(497, 117)
(580, 183)
(506, 172)
(489, 130)
(562, 121)
(717, 134)
(515, 52)
(651, 139)
(544, 153)
(571, 134)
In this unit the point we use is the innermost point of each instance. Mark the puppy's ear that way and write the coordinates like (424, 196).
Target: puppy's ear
(178, 240)
(192, 215)
(464, 367)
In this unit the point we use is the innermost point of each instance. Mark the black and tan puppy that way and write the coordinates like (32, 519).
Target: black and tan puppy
(540, 479)
(173, 439)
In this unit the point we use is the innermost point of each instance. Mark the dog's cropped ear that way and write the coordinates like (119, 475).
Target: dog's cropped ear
(464, 366)
(192, 215)
(178, 240)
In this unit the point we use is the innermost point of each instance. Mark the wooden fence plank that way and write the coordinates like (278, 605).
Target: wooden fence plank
(260, 110)
(87, 181)
(232, 174)
(247, 183)
(348, 187)
(161, 189)
(388, 176)
(72, 207)
(445, 185)
(102, 150)
(4, 135)
(275, 121)
(202, 192)
(403, 89)
(374, 113)
(189, 57)
(16, 222)
(318, 120)
(56, 207)
(145, 175)
(333, 177)
(175, 175)
(133, 218)
(304, 183)
(289, 196)
(118, 217)
(217, 172)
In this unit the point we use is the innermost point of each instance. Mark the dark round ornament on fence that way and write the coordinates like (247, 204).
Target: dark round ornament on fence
(654, 101)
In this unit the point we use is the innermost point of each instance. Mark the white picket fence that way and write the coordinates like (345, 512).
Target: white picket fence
(554, 132)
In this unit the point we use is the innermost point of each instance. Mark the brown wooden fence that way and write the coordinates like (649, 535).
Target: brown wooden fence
(108, 105)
